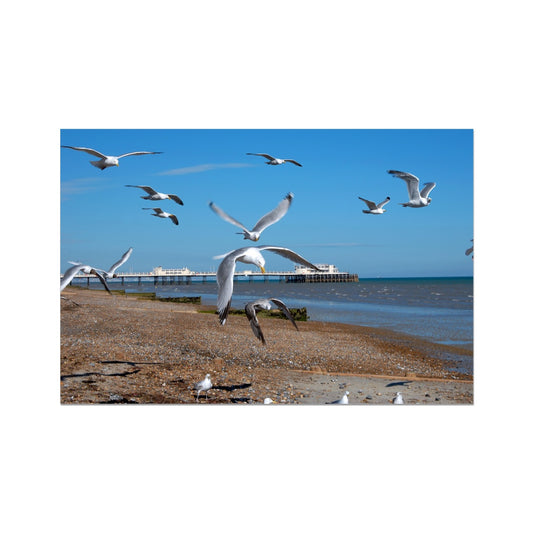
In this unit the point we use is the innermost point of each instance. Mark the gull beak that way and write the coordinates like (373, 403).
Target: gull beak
(262, 269)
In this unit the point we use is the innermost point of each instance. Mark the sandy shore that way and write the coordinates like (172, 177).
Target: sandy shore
(119, 349)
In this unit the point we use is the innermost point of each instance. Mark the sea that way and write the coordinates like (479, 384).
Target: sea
(439, 310)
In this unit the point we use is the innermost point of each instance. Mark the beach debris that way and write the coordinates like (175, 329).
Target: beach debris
(265, 303)
(263, 223)
(106, 161)
(276, 160)
(163, 214)
(342, 401)
(203, 386)
(373, 208)
(416, 198)
(251, 255)
(398, 399)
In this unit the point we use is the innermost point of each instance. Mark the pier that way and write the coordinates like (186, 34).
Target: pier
(184, 276)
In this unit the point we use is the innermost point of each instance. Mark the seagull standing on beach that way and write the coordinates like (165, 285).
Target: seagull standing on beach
(86, 269)
(111, 272)
(251, 255)
(268, 401)
(154, 195)
(398, 399)
(375, 209)
(105, 161)
(163, 214)
(342, 401)
(264, 303)
(416, 198)
(276, 160)
(265, 221)
(203, 385)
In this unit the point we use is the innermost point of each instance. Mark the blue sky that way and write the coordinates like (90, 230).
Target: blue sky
(101, 218)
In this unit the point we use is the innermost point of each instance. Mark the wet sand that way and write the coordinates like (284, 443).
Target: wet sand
(120, 349)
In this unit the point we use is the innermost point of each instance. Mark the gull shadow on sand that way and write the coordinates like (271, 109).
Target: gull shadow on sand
(398, 383)
(87, 374)
(231, 388)
(239, 400)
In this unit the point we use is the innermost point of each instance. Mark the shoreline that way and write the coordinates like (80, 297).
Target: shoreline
(119, 349)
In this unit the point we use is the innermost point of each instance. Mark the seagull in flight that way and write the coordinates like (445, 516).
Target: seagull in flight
(111, 272)
(251, 255)
(343, 400)
(105, 161)
(86, 269)
(265, 303)
(375, 209)
(163, 214)
(265, 221)
(203, 385)
(416, 198)
(470, 250)
(276, 160)
(154, 195)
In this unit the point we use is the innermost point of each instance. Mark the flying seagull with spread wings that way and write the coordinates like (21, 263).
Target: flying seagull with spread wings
(373, 208)
(416, 198)
(105, 161)
(111, 272)
(265, 303)
(276, 160)
(68, 276)
(154, 195)
(163, 214)
(265, 221)
(251, 255)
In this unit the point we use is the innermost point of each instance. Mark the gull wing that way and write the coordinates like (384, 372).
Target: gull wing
(102, 279)
(174, 219)
(293, 162)
(156, 209)
(225, 273)
(428, 187)
(285, 310)
(120, 262)
(88, 150)
(176, 198)
(269, 157)
(69, 275)
(145, 188)
(289, 254)
(136, 153)
(412, 183)
(385, 202)
(249, 309)
(225, 216)
(274, 215)
(369, 203)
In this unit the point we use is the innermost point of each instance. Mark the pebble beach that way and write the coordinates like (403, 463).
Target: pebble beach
(123, 350)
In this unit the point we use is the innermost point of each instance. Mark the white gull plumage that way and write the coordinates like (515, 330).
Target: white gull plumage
(264, 222)
(251, 255)
(154, 195)
(373, 208)
(163, 214)
(343, 400)
(203, 385)
(416, 198)
(266, 304)
(276, 160)
(105, 161)
(68, 276)
(398, 399)
(111, 272)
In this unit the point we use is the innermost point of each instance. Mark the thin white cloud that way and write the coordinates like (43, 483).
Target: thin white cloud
(80, 186)
(202, 168)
